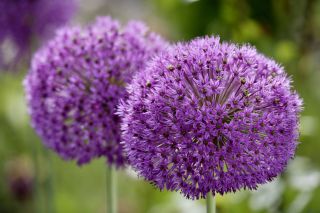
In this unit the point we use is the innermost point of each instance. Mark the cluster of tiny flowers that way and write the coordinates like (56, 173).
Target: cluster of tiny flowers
(24, 21)
(210, 117)
(75, 84)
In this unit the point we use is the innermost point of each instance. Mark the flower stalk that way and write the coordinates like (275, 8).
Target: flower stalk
(111, 190)
(210, 203)
(49, 183)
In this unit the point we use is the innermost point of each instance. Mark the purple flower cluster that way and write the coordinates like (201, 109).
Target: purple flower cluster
(210, 117)
(75, 84)
(24, 21)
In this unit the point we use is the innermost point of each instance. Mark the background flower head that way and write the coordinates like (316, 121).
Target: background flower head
(76, 81)
(23, 22)
(212, 117)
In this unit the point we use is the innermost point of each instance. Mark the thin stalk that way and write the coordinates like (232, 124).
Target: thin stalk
(49, 183)
(36, 206)
(111, 190)
(211, 204)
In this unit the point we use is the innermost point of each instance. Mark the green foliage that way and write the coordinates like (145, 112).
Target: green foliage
(288, 31)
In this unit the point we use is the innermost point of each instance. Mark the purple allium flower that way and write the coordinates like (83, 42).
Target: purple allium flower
(75, 84)
(24, 21)
(210, 117)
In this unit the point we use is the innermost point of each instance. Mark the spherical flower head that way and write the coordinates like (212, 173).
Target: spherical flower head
(75, 84)
(210, 117)
(22, 22)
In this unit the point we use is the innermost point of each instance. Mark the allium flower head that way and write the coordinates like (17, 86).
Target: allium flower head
(76, 81)
(210, 117)
(24, 21)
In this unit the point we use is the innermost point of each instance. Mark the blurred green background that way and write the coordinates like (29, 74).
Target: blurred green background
(286, 30)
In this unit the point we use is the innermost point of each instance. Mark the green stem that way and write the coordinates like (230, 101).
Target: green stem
(36, 206)
(211, 204)
(111, 190)
(49, 182)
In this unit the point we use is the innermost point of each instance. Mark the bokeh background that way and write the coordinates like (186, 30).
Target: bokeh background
(33, 179)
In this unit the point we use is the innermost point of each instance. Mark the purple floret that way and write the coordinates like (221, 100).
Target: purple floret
(210, 117)
(25, 22)
(75, 84)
